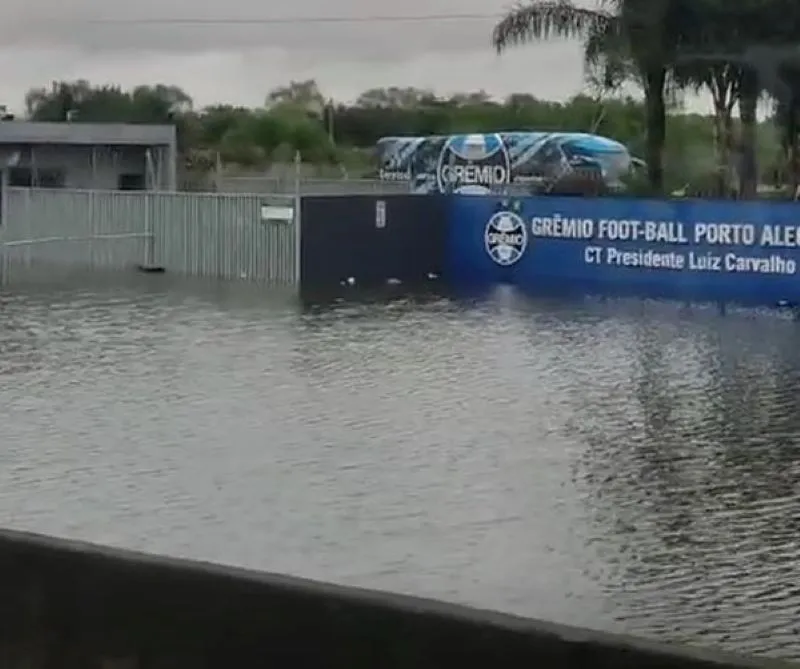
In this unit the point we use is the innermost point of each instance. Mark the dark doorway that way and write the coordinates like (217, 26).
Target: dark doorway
(132, 182)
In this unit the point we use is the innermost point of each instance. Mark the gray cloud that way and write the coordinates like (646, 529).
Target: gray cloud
(112, 41)
(88, 24)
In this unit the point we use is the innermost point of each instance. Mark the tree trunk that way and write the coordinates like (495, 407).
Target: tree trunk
(655, 80)
(730, 143)
(748, 170)
(724, 86)
(791, 136)
(722, 148)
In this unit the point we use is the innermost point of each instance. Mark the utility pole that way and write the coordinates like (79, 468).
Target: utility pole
(329, 121)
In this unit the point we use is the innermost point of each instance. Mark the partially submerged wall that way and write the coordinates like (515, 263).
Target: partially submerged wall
(70, 605)
(370, 240)
(682, 249)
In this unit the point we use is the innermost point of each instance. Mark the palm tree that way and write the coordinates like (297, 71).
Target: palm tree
(787, 114)
(645, 32)
(722, 78)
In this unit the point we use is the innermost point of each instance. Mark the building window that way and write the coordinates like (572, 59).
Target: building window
(25, 177)
(20, 177)
(131, 182)
(49, 179)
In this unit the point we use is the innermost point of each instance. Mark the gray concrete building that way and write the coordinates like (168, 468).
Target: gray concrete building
(107, 156)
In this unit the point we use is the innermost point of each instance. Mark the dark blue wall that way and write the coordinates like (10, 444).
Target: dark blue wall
(346, 236)
(685, 239)
(717, 250)
(70, 605)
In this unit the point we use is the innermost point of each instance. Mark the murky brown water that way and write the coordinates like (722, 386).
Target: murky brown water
(619, 465)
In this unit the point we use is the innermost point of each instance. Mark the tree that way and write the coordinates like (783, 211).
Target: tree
(773, 56)
(84, 102)
(394, 97)
(63, 97)
(304, 95)
(705, 62)
(269, 135)
(741, 52)
(646, 32)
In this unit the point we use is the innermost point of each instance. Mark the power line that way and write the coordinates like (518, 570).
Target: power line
(295, 20)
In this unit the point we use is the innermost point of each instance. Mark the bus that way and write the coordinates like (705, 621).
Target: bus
(500, 162)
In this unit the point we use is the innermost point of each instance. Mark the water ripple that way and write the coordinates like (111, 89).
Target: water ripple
(622, 465)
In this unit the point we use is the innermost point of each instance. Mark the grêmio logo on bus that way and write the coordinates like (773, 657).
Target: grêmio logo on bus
(473, 164)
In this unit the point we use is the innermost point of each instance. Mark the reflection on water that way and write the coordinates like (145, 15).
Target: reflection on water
(621, 465)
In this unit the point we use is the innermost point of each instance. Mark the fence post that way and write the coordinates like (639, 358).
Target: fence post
(149, 239)
(298, 167)
(298, 224)
(3, 226)
(94, 228)
(28, 234)
(3, 196)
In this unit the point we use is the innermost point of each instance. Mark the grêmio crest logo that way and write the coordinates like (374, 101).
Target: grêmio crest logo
(506, 237)
(473, 164)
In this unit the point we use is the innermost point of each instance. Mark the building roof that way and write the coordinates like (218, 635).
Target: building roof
(109, 134)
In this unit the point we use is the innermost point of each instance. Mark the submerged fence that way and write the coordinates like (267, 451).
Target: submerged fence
(235, 236)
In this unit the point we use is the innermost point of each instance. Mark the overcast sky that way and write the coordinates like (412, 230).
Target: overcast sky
(118, 41)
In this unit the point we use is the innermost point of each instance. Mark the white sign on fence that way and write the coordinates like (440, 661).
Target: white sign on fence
(276, 214)
(380, 213)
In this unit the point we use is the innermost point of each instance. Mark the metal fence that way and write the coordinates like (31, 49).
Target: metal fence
(240, 236)
(227, 236)
(307, 185)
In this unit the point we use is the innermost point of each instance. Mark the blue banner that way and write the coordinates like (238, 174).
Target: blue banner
(744, 251)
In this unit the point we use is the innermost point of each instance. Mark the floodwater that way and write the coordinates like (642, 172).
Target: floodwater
(631, 466)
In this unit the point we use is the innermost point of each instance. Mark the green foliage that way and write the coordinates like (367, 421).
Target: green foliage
(737, 52)
(323, 133)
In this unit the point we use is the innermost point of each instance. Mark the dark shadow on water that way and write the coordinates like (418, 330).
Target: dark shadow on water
(324, 301)
(552, 298)
(728, 294)
(567, 302)
(670, 300)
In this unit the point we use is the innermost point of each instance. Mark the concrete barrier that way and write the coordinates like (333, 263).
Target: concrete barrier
(70, 605)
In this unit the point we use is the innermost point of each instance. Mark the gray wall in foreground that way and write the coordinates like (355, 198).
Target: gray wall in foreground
(69, 605)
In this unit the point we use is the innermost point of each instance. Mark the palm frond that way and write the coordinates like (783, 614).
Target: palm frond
(607, 57)
(545, 19)
(603, 41)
